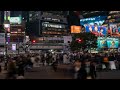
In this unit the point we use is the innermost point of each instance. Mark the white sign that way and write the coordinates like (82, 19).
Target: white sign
(2, 38)
(67, 38)
(15, 20)
(7, 25)
(14, 47)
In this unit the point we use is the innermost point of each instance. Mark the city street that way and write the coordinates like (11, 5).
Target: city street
(46, 72)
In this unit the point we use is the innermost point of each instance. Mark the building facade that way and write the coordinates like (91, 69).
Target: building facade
(48, 23)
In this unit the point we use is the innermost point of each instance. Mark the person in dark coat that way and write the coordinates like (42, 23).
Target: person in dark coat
(20, 69)
(93, 70)
(11, 70)
(82, 74)
(54, 65)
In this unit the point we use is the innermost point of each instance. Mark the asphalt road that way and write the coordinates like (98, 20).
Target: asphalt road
(46, 72)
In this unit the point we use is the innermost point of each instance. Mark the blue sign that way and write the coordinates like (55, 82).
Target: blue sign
(91, 21)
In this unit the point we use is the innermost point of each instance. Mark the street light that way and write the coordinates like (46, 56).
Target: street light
(7, 28)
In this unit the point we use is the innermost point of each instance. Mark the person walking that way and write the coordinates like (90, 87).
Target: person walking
(77, 65)
(93, 74)
(82, 74)
(54, 65)
(11, 74)
(21, 66)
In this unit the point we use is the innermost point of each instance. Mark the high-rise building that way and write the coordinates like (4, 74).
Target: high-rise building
(17, 26)
(48, 23)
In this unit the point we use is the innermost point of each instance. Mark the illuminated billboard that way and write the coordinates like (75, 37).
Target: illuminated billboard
(14, 47)
(112, 42)
(114, 30)
(75, 29)
(15, 20)
(97, 30)
(99, 20)
(101, 42)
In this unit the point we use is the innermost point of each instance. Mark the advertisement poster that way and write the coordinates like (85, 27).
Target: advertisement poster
(112, 42)
(76, 29)
(15, 20)
(14, 47)
(114, 30)
(97, 30)
(99, 20)
(101, 42)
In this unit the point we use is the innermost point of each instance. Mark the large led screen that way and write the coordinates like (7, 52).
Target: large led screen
(112, 42)
(101, 42)
(97, 30)
(91, 21)
(114, 30)
(15, 20)
(94, 25)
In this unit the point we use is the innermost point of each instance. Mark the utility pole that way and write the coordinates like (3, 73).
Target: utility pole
(7, 29)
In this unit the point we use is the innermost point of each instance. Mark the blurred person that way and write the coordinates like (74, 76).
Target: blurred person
(106, 62)
(11, 74)
(93, 74)
(0, 65)
(112, 62)
(65, 59)
(21, 66)
(77, 65)
(54, 65)
(82, 74)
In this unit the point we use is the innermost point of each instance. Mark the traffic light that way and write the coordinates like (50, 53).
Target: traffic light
(33, 41)
(79, 40)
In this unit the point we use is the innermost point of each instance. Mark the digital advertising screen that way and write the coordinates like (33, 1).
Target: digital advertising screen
(101, 42)
(76, 29)
(97, 30)
(15, 20)
(112, 42)
(94, 25)
(114, 30)
(99, 20)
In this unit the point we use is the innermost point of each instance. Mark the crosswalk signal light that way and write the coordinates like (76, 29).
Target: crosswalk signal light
(33, 41)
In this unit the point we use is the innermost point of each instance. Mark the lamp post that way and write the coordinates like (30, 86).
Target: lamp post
(6, 27)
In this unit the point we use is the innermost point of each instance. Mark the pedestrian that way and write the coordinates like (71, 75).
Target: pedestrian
(106, 62)
(21, 66)
(54, 65)
(11, 70)
(93, 74)
(77, 66)
(82, 74)
(0, 68)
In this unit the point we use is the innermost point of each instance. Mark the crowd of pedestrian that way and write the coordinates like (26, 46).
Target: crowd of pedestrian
(85, 65)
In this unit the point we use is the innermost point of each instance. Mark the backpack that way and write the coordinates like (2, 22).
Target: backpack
(105, 59)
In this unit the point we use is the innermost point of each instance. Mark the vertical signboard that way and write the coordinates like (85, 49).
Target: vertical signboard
(14, 47)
